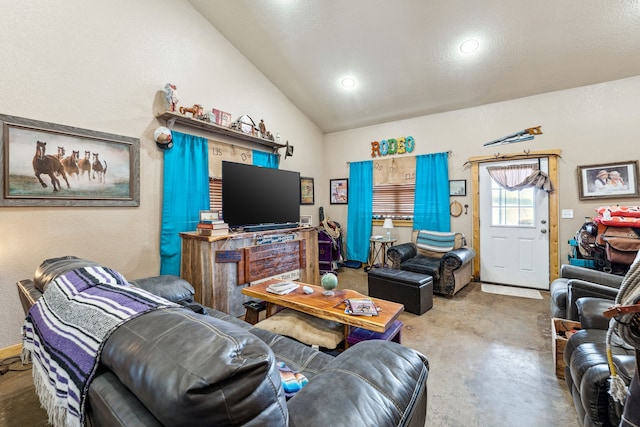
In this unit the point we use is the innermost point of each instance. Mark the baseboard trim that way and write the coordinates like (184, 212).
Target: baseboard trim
(11, 351)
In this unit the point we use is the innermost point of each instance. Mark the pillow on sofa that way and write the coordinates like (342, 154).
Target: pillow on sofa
(304, 328)
(51, 268)
(172, 288)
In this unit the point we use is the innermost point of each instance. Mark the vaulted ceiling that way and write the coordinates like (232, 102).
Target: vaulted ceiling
(405, 55)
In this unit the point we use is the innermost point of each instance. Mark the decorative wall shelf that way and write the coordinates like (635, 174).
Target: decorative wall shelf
(175, 118)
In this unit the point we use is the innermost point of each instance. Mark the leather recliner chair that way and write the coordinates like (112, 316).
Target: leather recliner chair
(583, 294)
(450, 269)
(578, 282)
(587, 371)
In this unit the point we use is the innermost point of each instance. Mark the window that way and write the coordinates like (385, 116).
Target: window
(215, 194)
(512, 208)
(394, 188)
(393, 200)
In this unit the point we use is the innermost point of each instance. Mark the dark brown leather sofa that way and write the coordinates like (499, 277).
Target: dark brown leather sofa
(213, 369)
(583, 294)
(587, 370)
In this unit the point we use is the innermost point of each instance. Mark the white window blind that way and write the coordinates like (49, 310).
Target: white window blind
(393, 200)
(215, 194)
(394, 188)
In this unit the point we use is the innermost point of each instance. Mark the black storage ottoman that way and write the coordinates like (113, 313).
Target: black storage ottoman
(414, 290)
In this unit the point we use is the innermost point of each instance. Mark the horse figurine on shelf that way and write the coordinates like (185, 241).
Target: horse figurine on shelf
(196, 111)
(49, 165)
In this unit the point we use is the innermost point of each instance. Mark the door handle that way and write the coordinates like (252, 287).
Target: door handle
(543, 230)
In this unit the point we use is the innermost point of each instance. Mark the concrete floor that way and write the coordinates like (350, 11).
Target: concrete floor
(490, 363)
(490, 359)
(19, 405)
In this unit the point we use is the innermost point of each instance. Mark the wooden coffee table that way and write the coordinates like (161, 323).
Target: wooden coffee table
(327, 307)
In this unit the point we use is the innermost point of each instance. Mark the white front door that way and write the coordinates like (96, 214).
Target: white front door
(514, 232)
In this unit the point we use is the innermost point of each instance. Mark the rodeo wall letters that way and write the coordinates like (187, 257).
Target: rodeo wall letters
(391, 146)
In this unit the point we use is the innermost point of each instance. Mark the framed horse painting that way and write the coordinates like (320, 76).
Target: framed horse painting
(46, 164)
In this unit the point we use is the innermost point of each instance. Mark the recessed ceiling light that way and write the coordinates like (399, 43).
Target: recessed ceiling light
(469, 46)
(348, 82)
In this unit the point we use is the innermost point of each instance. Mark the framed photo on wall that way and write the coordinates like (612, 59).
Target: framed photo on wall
(339, 191)
(458, 187)
(608, 181)
(306, 191)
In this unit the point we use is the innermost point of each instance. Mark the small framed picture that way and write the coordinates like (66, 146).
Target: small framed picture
(208, 216)
(608, 181)
(458, 187)
(338, 191)
(305, 220)
(306, 191)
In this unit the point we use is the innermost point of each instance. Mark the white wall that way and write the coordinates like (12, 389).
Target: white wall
(100, 66)
(591, 125)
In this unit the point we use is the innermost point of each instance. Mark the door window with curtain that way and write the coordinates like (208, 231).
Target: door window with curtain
(512, 197)
(394, 188)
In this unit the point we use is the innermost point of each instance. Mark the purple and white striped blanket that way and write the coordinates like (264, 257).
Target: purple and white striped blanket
(65, 330)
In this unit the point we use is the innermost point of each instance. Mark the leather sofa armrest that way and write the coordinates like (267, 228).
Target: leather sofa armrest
(371, 374)
(172, 288)
(456, 258)
(28, 294)
(577, 289)
(569, 271)
(51, 268)
(590, 312)
(400, 253)
(111, 404)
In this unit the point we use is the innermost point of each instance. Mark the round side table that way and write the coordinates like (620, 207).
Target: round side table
(378, 249)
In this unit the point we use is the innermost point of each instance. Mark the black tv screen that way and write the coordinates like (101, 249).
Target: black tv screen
(253, 195)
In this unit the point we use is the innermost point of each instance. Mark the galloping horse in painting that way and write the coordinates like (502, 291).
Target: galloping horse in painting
(49, 165)
(70, 164)
(85, 164)
(98, 169)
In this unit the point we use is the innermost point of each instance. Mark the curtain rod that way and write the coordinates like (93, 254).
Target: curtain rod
(524, 154)
(448, 153)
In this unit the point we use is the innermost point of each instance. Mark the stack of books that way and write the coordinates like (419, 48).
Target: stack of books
(282, 288)
(215, 227)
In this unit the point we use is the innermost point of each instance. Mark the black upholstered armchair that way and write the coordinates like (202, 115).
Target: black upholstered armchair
(443, 256)
(579, 282)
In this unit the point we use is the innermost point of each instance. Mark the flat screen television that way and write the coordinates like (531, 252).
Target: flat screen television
(253, 195)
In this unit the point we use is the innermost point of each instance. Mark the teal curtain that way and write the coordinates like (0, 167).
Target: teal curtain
(267, 160)
(360, 210)
(185, 194)
(431, 206)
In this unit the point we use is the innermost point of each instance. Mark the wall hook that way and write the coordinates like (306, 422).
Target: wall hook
(496, 155)
(526, 152)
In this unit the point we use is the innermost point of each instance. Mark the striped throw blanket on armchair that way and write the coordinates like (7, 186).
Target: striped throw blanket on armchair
(438, 241)
(65, 330)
